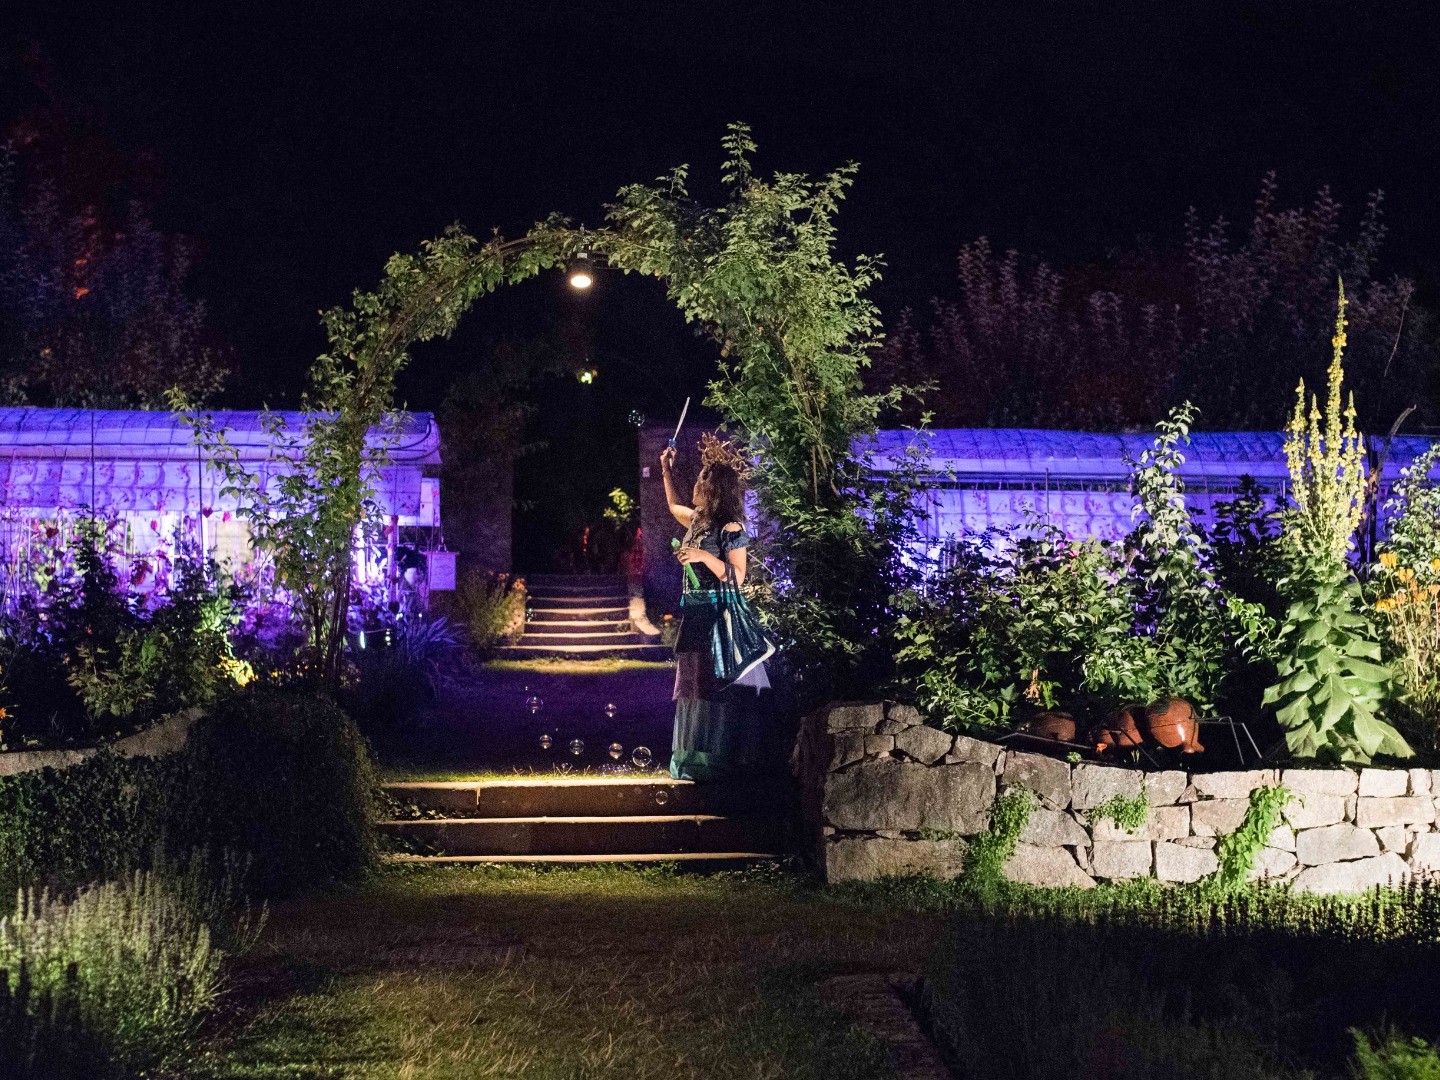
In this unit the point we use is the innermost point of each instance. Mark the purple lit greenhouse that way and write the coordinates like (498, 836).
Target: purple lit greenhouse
(142, 474)
(980, 478)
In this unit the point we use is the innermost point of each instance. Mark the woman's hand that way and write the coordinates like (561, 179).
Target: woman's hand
(688, 555)
(667, 458)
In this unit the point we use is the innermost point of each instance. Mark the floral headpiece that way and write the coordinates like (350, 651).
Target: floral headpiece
(717, 451)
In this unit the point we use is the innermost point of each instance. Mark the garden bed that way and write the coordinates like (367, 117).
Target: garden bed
(885, 794)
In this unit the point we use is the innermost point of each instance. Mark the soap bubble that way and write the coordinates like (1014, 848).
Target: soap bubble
(611, 710)
(534, 704)
(577, 746)
(616, 751)
(662, 797)
(546, 741)
(637, 418)
(642, 757)
(565, 766)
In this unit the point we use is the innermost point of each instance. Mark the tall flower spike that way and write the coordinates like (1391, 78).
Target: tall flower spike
(1325, 456)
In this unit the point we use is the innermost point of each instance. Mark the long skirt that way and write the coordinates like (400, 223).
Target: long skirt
(717, 728)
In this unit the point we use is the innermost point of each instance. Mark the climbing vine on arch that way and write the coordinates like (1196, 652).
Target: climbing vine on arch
(794, 328)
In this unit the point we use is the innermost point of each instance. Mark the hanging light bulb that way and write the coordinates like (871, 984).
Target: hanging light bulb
(581, 272)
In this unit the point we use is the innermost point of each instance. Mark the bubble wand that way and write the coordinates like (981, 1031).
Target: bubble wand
(690, 578)
(674, 438)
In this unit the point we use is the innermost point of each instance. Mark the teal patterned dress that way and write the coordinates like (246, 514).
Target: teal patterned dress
(717, 727)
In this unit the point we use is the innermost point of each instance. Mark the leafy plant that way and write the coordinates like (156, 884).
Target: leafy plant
(1394, 1057)
(1405, 585)
(133, 957)
(1024, 615)
(623, 509)
(1199, 634)
(1245, 549)
(181, 656)
(313, 829)
(1128, 812)
(1237, 851)
(1332, 684)
(795, 330)
(985, 858)
(491, 607)
(40, 1033)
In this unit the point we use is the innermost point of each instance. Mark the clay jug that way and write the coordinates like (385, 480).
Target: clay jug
(1172, 723)
(1052, 725)
(1120, 732)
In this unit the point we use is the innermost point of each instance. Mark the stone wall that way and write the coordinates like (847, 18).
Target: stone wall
(166, 737)
(884, 794)
(659, 570)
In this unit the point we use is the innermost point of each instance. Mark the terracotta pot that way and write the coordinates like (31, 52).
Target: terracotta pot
(1052, 725)
(1120, 732)
(1172, 723)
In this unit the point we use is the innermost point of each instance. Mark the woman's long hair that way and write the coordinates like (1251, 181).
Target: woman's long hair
(720, 496)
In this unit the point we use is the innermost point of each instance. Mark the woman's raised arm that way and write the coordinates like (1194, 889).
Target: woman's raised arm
(682, 513)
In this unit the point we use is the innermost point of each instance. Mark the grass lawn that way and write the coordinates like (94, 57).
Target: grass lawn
(597, 972)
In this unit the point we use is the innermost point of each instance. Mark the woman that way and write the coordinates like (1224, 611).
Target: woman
(716, 726)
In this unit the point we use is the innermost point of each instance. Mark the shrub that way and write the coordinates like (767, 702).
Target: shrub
(279, 776)
(1148, 981)
(91, 822)
(181, 656)
(399, 674)
(1198, 635)
(130, 964)
(491, 607)
(1405, 586)
(1023, 615)
(285, 778)
(1393, 1057)
(83, 660)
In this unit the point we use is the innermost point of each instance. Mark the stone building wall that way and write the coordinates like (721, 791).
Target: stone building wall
(477, 507)
(660, 573)
(884, 794)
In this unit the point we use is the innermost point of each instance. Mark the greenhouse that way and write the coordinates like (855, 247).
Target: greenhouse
(981, 478)
(143, 474)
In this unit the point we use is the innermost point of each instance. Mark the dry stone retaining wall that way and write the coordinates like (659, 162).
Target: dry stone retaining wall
(884, 794)
(166, 737)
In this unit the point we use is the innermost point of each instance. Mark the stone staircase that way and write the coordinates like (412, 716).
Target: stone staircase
(588, 819)
(581, 616)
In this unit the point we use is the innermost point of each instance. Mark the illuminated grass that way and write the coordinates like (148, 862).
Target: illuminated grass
(513, 972)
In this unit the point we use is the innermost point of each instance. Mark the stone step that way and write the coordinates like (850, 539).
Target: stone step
(667, 834)
(610, 614)
(556, 622)
(604, 601)
(593, 637)
(593, 581)
(627, 652)
(689, 860)
(579, 796)
(577, 590)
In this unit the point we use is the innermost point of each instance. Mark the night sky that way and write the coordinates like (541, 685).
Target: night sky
(302, 144)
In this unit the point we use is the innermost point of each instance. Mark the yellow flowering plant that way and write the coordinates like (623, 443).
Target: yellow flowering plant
(1404, 584)
(1333, 685)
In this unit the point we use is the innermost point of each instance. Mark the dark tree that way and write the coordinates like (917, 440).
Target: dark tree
(1229, 325)
(93, 308)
